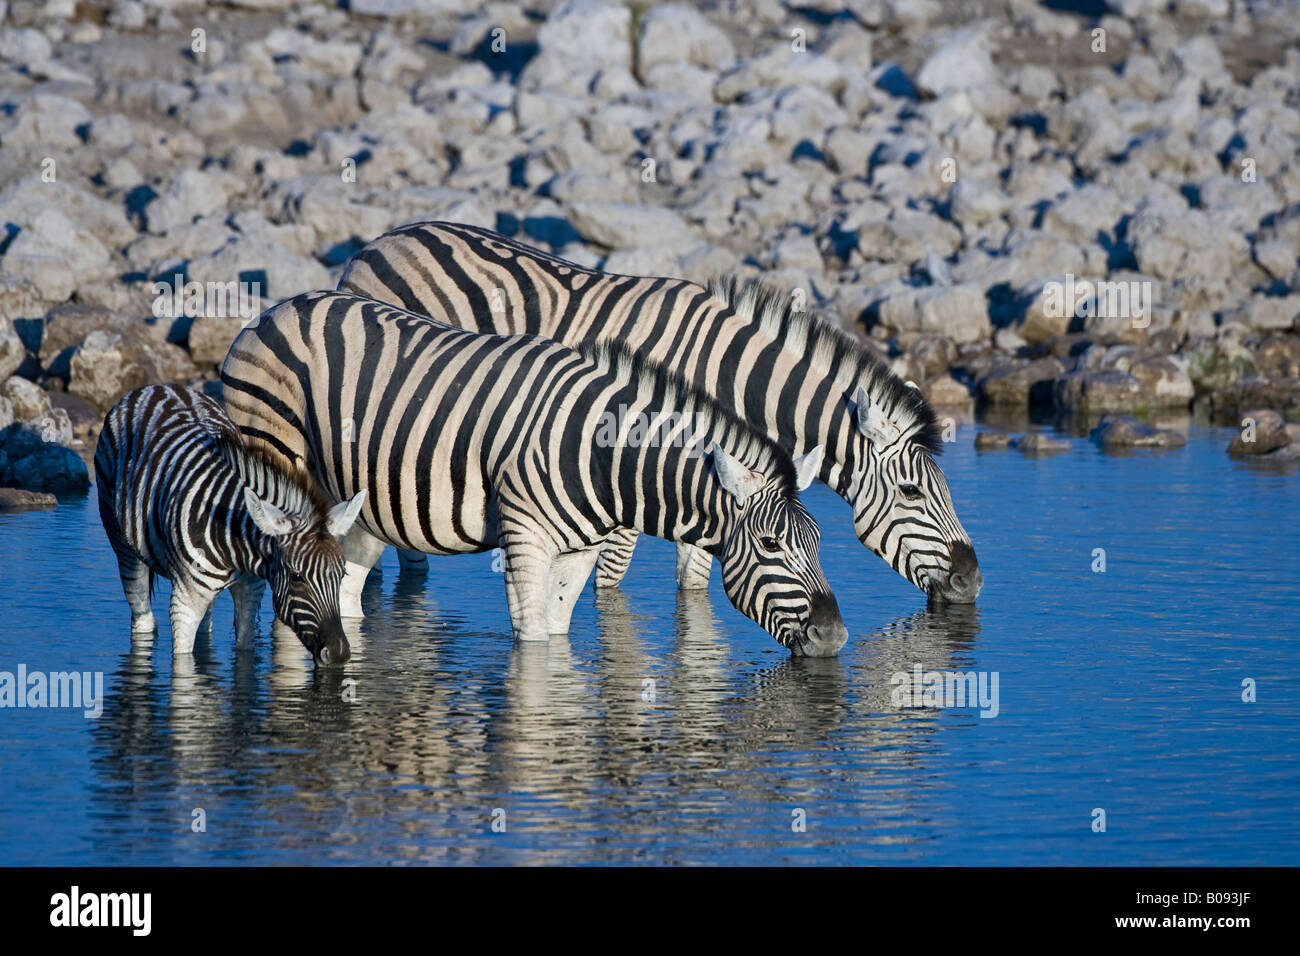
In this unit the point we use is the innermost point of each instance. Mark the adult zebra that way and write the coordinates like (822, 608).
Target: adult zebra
(803, 381)
(181, 496)
(469, 442)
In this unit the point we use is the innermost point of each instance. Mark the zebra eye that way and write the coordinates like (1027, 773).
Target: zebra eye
(769, 543)
(909, 490)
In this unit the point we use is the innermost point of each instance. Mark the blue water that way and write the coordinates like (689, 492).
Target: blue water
(1119, 691)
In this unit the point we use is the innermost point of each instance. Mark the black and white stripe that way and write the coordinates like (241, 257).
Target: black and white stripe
(803, 381)
(468, 442)
(181, 496)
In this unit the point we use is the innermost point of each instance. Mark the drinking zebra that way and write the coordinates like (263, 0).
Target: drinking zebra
(182, 497)
(803, 381)
(470, 442)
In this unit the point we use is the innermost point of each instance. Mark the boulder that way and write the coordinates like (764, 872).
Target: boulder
(962, 62)
(1165, 380)
(944, 391)
(1100, 390)
(1037, 444)
(17, 499)
(1231, 401)
(12, 350)
(993, 441)
(32, 464)
(1262, 431)
(620, 225)
(677, 32)
(1215, 363)
(109, 364)
(958, 312)
(211, 336)
(27, 399)
(1116, 431)
(1016, 383)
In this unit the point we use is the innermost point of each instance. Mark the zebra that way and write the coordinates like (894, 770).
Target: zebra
(802, 380)
(471, 442)
(182, 497)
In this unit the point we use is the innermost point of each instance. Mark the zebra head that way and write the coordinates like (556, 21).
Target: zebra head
(770, 566)
(901, 507)
(305, 570)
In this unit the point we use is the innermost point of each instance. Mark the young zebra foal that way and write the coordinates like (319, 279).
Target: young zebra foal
(181, 496)
(470, 442)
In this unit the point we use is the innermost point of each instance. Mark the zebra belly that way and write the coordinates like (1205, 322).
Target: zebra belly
(435, 509)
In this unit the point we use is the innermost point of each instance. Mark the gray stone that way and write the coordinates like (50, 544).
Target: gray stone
(962, 62)
(1230, 401)
(109, 364)
(54, 254)
(210, 338)
(618, 225)
(29, 463)
(676, 32)
(27, 399)
(1124, 431)
(12, 350)
(1037, 444)
(1262, 431)
(1013, 383)
(993, 441)
(958, 312)
(1105, 390)
(16, 499)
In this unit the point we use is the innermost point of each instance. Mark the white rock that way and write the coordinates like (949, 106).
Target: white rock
(56, 255)
(962, 62)
(677, 32)
(618, 225)
(28, 399)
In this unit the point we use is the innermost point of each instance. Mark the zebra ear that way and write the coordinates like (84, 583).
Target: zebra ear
(342, 515)
(269, 519)
(880, 431)
(738, 480)
(807, 467)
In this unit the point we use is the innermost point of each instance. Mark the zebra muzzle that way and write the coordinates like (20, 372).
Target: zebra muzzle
(334, 651)
(825, 632)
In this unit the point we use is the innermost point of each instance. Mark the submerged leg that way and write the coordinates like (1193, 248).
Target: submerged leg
(247, 591)
(615, 556)
(568, 576)
(135, 585)
(412, 562)
(693, 566)
(527, 572)
(361, 550)
(190, 605)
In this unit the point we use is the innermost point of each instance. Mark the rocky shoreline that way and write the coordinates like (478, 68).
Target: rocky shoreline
(1023, 210)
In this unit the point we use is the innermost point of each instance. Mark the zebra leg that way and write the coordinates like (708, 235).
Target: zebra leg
(412, 562)
(247, 592)
(135, 585)
(568, 576)
(528, 566)
(693, 566)
(615, 556)
(190, 605)
(360, 550)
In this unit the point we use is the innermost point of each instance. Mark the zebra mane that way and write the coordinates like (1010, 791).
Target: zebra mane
(713, 421)
(291, 489)
(823, 345)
